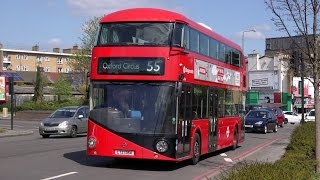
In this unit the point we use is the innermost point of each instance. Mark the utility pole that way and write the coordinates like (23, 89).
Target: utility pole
(302, 82)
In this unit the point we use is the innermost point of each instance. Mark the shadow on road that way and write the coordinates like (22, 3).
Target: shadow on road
(147, 165)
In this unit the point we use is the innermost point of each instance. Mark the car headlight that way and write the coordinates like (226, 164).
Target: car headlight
(162, 146)
(92, 142)
(63, 124)
(41, 124)
(259, 123)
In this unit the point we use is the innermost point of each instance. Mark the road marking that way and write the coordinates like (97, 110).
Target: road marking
(214, 171)
(61, 175)
(223, 154)
(228, 159)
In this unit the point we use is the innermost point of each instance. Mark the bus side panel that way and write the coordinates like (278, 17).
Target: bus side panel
(226, 128)
(202, 125)
(107, 143)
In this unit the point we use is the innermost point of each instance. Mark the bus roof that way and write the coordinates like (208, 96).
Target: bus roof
(160, 15)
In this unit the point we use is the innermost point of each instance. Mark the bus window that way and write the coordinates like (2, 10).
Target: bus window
(236, 58)
(228, 54)
(222, 51)
(214, 49)
(194, 40)
(177, 35)
(186, 37)
(204, 45)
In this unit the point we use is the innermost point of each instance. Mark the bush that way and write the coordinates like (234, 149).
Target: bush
(48, 105)
(298, 162)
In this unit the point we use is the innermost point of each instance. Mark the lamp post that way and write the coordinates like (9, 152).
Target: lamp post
(250, 30)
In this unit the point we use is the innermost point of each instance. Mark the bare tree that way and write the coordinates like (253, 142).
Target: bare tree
(300, 18)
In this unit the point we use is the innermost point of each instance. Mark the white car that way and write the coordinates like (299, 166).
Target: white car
(310, 116)
(292, 117)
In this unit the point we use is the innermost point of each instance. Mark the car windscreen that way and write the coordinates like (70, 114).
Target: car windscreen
(257, 114)
(312, 113)
(63, 113)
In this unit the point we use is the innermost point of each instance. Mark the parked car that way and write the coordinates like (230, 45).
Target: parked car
(261, 120)
(310, 116)
(279, 114)
(67, 121)
(292, 117)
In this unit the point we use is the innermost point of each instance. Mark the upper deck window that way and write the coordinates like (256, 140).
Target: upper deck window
(128, 34)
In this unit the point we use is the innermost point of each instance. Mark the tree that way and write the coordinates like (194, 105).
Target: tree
(62, 88)
(300, 17)
(38, 88)
(81, 61)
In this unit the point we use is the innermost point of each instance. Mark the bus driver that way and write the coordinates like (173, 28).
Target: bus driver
(120, 97)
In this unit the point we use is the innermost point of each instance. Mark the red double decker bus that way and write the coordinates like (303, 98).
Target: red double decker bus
(163, 88)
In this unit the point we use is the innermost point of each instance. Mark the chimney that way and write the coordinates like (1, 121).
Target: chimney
(56, 50)
(35, 48)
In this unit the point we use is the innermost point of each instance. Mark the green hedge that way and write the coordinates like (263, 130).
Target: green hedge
(298, 162)
(48, 105)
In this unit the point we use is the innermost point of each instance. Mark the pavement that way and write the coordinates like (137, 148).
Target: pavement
(14, 132)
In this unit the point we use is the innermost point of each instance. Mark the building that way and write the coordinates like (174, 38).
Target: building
(269, 81)
(287, 46)
(28, 60)
(308, 91)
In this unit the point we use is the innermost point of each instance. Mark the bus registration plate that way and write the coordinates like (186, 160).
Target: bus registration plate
(124, 152)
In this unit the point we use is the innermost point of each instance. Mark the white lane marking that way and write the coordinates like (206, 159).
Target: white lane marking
(223, 154)
(61, 175)
(228, 159)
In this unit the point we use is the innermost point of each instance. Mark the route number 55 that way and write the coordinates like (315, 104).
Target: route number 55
(153, 66)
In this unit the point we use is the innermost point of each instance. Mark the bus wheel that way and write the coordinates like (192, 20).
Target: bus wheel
(196, 149)
(235, 139)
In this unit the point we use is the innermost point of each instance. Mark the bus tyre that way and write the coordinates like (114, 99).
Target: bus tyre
(196, 149)
(235, 139)
(73, 132)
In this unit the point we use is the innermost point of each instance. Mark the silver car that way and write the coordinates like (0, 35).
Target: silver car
(67, 121)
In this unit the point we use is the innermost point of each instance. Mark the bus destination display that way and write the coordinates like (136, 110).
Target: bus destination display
(146, 66)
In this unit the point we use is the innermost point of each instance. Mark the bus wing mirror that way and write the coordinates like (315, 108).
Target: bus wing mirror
(178, 88)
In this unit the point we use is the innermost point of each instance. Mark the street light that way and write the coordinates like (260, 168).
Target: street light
(250, 30)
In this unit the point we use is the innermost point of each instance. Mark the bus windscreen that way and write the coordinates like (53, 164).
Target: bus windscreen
(138, 34)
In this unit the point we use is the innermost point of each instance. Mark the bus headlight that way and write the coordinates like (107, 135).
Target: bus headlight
(162, 146)
(92, 142)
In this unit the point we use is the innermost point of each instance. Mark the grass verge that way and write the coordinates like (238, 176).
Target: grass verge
(298, 162)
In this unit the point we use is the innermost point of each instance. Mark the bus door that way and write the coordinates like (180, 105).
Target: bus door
(213, 119)
(184, 121)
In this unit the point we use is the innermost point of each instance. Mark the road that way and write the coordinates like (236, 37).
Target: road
(33, 158)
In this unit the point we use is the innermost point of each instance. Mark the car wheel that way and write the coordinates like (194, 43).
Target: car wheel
(235, 139)
(275, 128)
(73, 132)
(196, 149)
(265, 129)
(45, 135)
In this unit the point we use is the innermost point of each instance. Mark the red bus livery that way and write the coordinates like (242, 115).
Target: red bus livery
(163, 88)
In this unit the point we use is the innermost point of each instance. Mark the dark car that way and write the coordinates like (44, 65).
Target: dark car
(261, 120)
(279, 114)
(67, 121)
